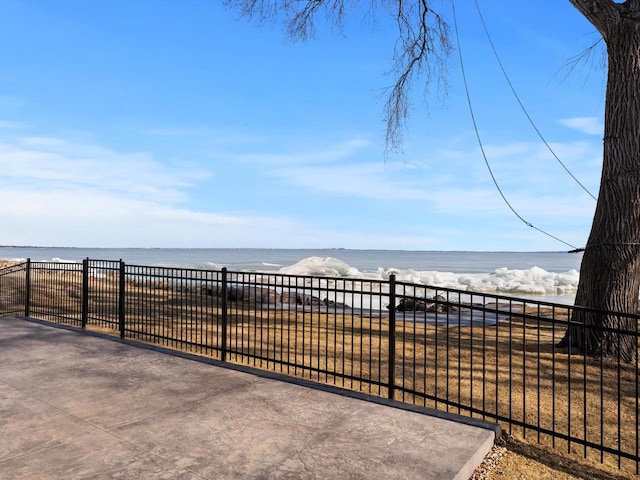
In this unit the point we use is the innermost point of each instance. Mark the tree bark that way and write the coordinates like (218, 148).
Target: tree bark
(610, 270)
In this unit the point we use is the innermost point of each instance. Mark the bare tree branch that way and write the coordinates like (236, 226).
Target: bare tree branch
(588, 55)
(421, 50)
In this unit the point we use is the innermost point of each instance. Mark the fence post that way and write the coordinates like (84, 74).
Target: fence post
(392, 336)
(27, 290)
(121, 303)
(85, 292)
(225, 296)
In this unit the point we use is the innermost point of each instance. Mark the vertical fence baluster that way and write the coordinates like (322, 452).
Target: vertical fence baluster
(225, 296)
(392, 336)
(85, 292)
(27, 290)
(121, 300)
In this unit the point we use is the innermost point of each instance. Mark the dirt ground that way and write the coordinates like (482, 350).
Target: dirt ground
(518, 460)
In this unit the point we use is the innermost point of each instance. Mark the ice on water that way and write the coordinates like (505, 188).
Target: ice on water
(531, 281)
(323, 267)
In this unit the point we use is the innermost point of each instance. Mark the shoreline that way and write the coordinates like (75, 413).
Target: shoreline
(488, 284)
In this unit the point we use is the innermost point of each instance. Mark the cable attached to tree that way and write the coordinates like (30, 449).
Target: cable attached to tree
(475, 126)
(526, 113)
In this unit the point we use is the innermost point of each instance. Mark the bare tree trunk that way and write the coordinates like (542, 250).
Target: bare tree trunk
(610, 271)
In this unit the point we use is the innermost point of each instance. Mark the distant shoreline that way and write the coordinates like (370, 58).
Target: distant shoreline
(336, 249)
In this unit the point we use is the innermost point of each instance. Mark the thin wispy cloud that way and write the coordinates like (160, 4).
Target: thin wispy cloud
(127, 199)
(91, 216)
(212, 136)
(55, 162)
(530, 166)
(588, 125)
(358, 180)
(289, 154)
(9, 125)
(451, 182)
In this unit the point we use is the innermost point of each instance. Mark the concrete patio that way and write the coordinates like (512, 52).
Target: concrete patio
(76, 405)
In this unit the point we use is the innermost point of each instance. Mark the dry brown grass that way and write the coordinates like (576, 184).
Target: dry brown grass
(510, 370)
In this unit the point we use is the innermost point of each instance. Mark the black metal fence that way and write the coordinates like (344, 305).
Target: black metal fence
(486, 356)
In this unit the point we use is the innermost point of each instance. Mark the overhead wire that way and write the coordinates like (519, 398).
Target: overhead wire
(477, 132)
(526, 113)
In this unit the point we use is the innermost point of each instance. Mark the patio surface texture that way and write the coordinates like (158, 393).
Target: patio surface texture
(76, 405)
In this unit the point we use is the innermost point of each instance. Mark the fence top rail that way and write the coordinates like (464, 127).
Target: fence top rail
(293, 275)
(246, 277)
(99, 260)
(474, 293)
(13, 268)
(524, 302)
(57, 266)
(129, 266)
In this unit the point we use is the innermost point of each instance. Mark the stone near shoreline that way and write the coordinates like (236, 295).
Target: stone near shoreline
(257, 295)
(435, 304)
(268, 296)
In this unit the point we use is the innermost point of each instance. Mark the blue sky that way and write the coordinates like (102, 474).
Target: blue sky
(170, 123)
